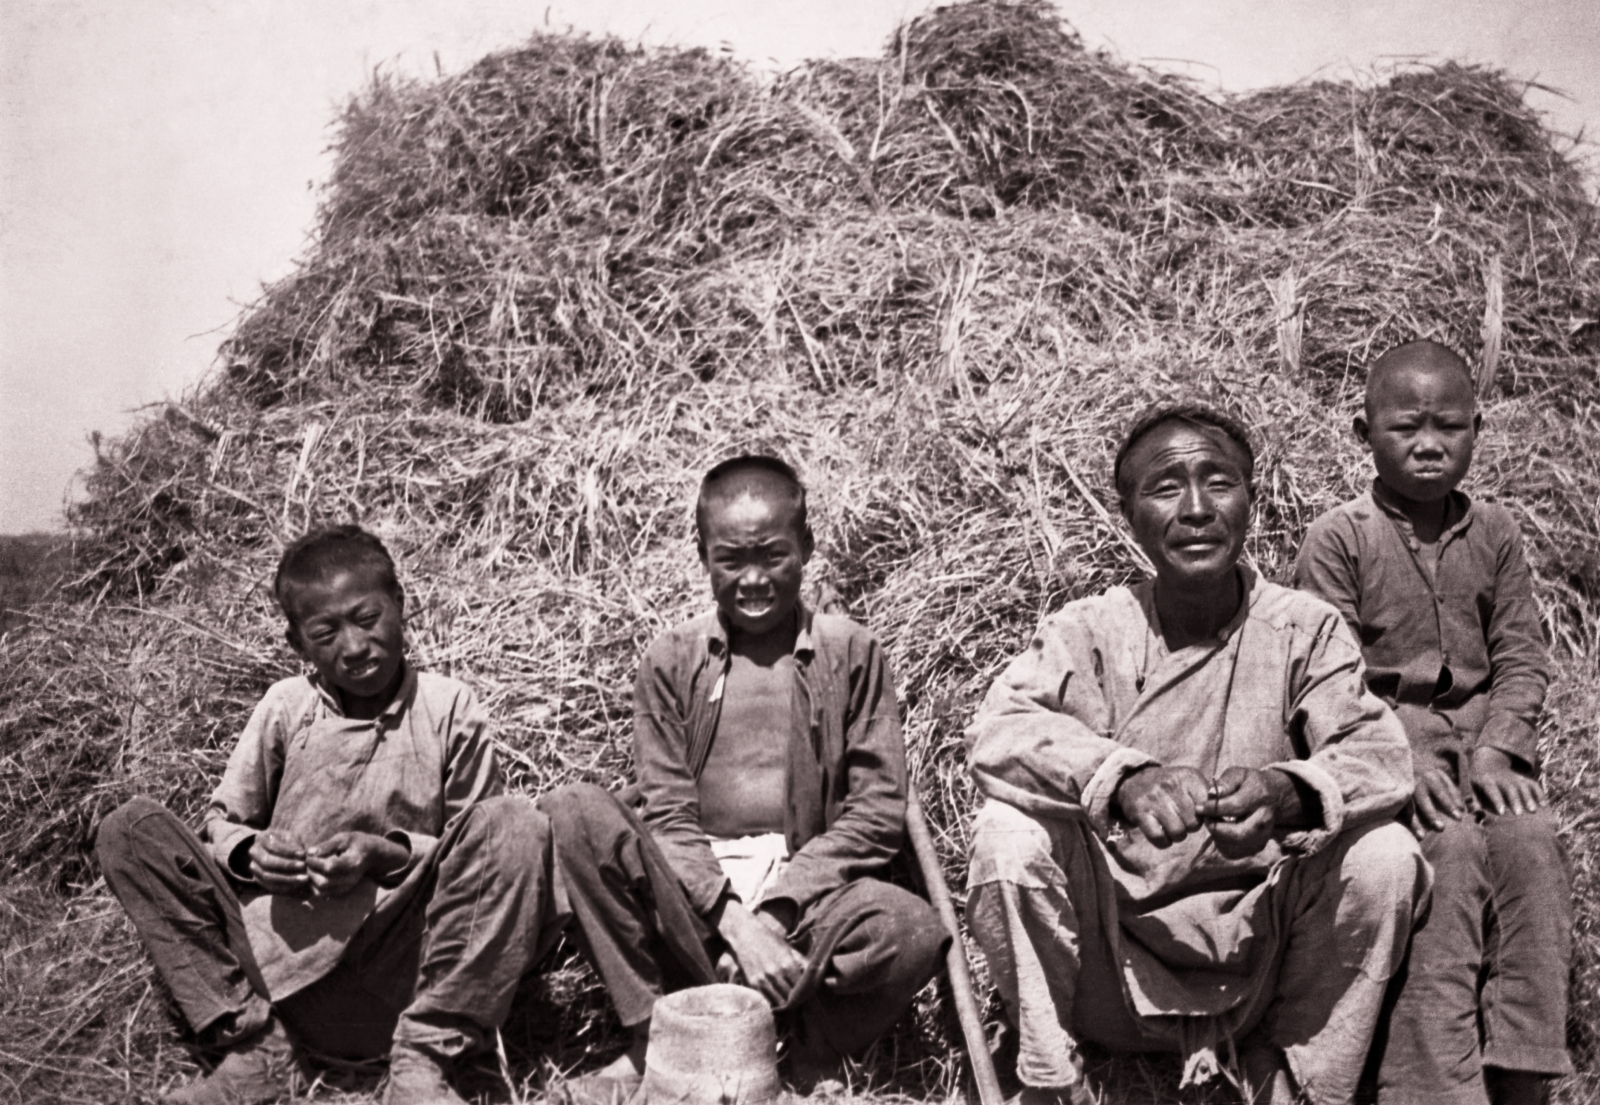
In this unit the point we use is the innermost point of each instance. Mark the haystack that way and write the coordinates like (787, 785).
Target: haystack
(545, 293)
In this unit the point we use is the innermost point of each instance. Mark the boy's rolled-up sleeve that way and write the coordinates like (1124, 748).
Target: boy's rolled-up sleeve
(240, 808)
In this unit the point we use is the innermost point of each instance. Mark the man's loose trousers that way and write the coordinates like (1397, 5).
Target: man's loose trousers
(870, 946)
(1341, 917)
(439, 975)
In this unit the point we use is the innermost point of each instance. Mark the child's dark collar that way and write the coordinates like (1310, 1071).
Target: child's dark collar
(720, 633)
(1457, 515)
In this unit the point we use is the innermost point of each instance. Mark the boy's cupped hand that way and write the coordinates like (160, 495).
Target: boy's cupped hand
(339, 863)
(278, 863)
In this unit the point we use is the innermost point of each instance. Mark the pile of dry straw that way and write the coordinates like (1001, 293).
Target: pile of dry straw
(545, 294)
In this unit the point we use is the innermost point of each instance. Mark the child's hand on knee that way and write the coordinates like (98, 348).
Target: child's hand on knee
(339, 863)
(278, 863)
(1500, 786)
(1438, 799)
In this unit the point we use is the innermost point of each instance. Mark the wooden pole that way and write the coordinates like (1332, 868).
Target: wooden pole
(956, 959)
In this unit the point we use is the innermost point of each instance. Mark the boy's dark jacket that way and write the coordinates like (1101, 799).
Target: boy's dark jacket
(846, 787)
(1460, 656)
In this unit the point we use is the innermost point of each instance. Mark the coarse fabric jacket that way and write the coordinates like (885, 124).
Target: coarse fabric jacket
(1097, 695)
(845, 793)
(1458, 653)
(304, 768)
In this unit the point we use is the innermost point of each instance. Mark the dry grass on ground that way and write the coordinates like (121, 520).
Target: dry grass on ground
(546, 293)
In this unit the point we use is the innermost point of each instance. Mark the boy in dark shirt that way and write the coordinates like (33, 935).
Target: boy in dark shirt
(1436, 588)
(360, 880)
(772, 779)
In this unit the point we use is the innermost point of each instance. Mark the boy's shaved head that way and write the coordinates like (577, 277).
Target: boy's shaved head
(1415, 356)
(762, 477)
(323, 553)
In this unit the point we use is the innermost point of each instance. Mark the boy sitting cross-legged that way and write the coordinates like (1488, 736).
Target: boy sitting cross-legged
(1436, 589)
(772, 779)
(359, 881)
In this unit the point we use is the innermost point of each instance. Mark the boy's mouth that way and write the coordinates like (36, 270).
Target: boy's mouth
(754, 607)
(364, 670)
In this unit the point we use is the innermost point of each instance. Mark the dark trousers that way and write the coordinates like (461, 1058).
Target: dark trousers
(437, 973)
(1486, 983)
(869, 946)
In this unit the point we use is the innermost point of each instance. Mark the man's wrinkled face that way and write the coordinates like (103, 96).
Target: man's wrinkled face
(753, 548)
(350, 627)
(1188, 503)
(1421, 424)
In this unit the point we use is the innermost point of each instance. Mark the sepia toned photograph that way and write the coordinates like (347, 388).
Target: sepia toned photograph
(1004, 552)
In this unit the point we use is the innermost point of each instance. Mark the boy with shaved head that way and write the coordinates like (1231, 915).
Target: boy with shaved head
(1435, 586)
(771, 791)
(360, 883)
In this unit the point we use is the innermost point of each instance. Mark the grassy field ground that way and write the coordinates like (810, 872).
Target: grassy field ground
(545, 294)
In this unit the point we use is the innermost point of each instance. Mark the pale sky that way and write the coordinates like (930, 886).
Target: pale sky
(158, 158)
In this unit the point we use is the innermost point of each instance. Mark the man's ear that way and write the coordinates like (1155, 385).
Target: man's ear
(292, 634)
(1359, 427)
(1477, 423)
(808, 545)
(700, 550)
(400, 598)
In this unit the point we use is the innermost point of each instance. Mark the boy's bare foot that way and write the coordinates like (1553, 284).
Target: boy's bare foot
(1516, 1087)
(253, 1072)
(417, 1078)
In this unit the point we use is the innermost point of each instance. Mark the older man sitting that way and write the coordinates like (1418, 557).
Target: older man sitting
(1189, 838)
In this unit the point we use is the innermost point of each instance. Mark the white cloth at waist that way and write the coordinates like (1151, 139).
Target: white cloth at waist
(753, 864)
